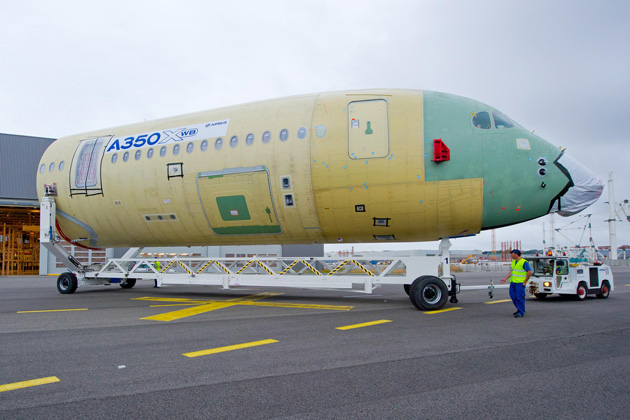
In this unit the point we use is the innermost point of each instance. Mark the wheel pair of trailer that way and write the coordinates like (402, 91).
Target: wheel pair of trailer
(67, 283)
(430, 293)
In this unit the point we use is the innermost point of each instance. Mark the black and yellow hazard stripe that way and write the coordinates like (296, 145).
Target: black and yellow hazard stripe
(265, 268)
(313, 269)
(244, 267)
(289, 267)
(365, 270)
(339, 267)
(184, 267)
(204, 266)
(222, 267)
(167, 267)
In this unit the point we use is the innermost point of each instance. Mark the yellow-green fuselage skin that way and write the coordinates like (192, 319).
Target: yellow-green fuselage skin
(352, 166)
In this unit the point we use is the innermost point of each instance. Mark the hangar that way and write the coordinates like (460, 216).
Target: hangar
(19, 206)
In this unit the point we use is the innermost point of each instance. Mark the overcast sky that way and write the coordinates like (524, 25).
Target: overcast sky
(558, 67)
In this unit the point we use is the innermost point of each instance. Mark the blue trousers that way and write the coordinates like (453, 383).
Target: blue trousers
(517, 294)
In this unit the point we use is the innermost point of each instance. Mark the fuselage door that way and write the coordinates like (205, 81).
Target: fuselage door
(238, 201)
(368, 129)
(85, 173)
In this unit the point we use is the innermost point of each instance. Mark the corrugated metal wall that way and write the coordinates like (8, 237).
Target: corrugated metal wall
(19, 157)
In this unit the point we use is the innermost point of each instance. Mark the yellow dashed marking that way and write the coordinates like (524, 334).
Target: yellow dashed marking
(52, 310)
(299, 305)
(365, 324)
(442, 310)
(498, 301)
(27, 384)
(229, 348)
(202, 306)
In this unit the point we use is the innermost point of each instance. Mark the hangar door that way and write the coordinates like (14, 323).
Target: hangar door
(238, 201)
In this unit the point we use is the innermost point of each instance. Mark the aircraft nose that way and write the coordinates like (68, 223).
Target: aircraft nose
(586, 188)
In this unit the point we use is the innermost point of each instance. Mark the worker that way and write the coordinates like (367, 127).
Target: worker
(158, 267)
(519, 275)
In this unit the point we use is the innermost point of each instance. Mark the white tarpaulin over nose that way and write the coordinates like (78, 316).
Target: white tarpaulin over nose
(586, 189)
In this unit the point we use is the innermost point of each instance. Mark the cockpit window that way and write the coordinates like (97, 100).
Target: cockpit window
(482, 120)
(502, 121)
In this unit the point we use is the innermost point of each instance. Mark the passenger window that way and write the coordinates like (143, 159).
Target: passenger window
(163, 151)
(501, 121)
(482, 120)
(204, 145)
(249, 140)
(150, 153)
(138, 154)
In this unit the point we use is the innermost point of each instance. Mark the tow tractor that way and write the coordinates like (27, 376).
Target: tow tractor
(569, 276)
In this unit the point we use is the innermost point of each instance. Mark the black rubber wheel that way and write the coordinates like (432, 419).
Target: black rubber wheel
(605, 291)
(407, 287)
(541, 295)
(428, 293)
(67, 283)
(128, 283)
(581, 292)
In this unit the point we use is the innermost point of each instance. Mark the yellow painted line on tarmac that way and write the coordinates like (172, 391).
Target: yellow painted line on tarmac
(228, 348)
(27, 384)
(299, 305)
(202, 306)
(498, 301)
(443, 310)
(183, 313)
(174, 300)
(365, 324)
(52, 310)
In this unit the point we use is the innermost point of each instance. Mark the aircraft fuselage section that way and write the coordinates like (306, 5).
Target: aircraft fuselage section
(345, 166)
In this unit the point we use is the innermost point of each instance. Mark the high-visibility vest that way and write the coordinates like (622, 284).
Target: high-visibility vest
(518, 271)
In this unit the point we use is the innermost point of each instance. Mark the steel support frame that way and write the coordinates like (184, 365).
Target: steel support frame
(362, 275)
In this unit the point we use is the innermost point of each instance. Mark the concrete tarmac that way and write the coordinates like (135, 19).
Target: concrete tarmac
(107, 352)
